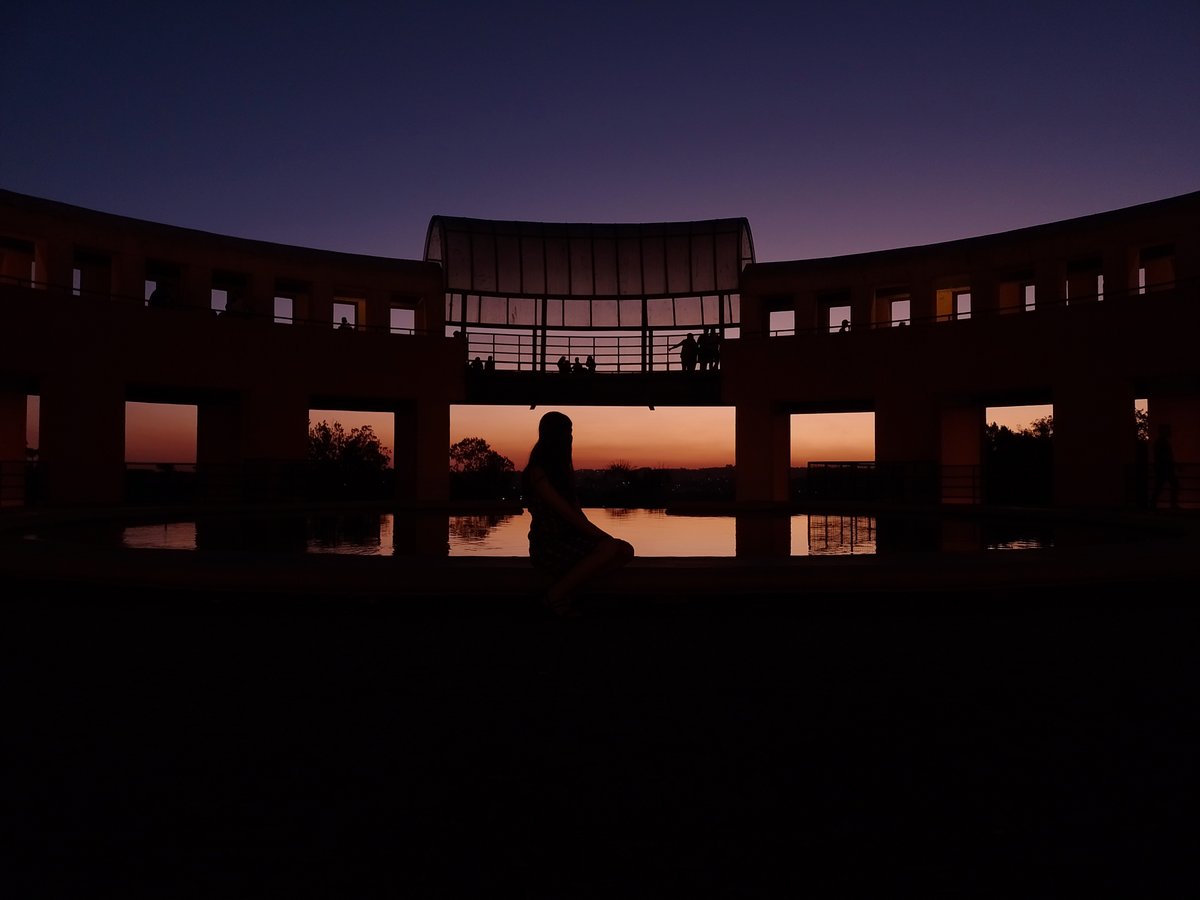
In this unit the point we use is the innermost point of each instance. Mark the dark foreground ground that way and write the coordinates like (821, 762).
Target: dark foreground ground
(169, 744)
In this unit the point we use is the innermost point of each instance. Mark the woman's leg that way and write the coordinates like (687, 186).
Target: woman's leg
(606, 557)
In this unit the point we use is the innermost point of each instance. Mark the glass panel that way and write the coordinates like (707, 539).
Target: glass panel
(578, 313)
(629, 261)
(631, 313)
(679, 264)
(702, 263)
(654, 266)
(493, 311)
(283, 310)
(727, 265)
(508, 262)
(688, 311)
(605, 266)
(533, 266)
(604, 313)
(581, 267)
(483, 259)
(660, 313)
(458, 260)
(522, 311)
(557, 267)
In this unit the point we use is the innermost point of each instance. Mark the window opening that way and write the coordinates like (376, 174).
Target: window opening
(345, 314)
(402, 320)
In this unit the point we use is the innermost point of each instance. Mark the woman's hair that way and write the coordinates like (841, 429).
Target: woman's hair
(552, 453)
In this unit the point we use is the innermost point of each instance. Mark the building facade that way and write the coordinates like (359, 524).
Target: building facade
(1090, 315)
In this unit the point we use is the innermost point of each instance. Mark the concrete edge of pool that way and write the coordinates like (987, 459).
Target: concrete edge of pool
(48, 567)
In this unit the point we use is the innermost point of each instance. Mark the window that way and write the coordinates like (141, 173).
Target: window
(953, 303)
(900, 313)
(782, 321)
(284, 310)
(833, 308)
(402, 320)
(962, 305)
(839, 318)
(345, 314)
(1156, 269)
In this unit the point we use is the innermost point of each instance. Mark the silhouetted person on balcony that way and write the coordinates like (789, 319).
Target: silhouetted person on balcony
(161, 295)
(477, 365)
(564, 545)
(590, 363)
(489, 364)
(564, 365)
(710, 350)
(1165, 473)
(345, 324)
(845, 326)
(577, 368)
(689, 351)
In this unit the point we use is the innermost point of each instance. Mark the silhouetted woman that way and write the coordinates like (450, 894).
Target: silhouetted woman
(563, 543)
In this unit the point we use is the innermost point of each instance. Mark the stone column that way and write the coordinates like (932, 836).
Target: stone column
(908, 443)
(962, 452)
(1094, 440)
(762, 453)
(82, 438)
(422, 453)
(13, 403)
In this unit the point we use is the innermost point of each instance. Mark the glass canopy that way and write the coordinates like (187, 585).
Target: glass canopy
(539, 278)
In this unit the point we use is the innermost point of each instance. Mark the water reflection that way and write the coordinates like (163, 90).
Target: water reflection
(654, 532)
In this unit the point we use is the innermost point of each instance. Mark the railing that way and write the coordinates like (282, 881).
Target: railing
(611, 350)
(1130, 295)
(198, 310)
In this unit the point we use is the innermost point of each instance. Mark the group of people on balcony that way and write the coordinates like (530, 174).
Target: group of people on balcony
(704, 352)
(577, 368)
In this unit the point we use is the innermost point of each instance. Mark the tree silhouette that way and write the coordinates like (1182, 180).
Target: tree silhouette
(345, 464)
(478, 472)
(1019, 465)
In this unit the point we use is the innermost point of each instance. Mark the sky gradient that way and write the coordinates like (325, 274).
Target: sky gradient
(833, 127)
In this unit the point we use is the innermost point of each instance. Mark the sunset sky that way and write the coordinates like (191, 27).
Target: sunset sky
(833, 127)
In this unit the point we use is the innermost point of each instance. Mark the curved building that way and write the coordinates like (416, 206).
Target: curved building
(1089, 315)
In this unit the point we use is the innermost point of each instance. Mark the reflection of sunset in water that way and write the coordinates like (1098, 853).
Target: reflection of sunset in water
(652, 532)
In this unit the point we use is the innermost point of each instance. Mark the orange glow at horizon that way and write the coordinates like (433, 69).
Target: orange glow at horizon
(676, 437)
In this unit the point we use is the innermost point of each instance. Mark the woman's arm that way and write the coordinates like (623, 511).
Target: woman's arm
(568, 512)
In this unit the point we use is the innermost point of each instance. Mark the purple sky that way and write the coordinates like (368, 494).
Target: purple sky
(833, 127)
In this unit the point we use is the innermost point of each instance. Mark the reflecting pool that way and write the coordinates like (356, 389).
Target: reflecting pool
(653, 533)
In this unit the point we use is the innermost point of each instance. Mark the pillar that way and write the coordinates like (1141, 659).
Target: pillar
(908, 443)
(962, 452)
(422, 454)
(273, 437)
(13, 402)
(82, 439)
(762, 453)
(1095, 440)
